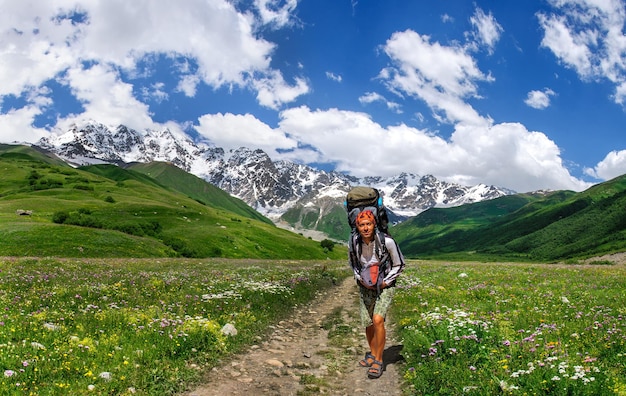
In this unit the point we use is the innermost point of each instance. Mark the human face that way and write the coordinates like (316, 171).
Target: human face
(366, 229)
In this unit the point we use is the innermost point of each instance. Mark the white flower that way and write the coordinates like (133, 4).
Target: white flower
(105, 375)
(564, 300)
(8, 373)
(51, 326)
(462, 275)
(37, 345)
(91, 387)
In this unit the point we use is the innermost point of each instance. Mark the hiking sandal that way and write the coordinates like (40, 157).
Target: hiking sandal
(375, 372)
(365, 361)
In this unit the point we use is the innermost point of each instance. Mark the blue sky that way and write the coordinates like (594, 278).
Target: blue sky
(525, 95)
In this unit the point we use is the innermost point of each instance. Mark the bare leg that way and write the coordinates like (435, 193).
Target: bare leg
(377, 343)
(378, 337)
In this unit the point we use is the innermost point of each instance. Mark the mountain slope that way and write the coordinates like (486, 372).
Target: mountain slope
(558, 226)
(49, 209)
(196, 188)
(280, 190)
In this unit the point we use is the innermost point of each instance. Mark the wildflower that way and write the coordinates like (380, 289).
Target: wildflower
(506, 387)
(37, 345)
(91, 387)
(50, 326)
(506, 343)
(8, 373)
(105, 375)
(472, 368)
(462, 275)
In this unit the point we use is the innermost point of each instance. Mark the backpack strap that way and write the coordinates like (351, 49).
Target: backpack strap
(380, 251)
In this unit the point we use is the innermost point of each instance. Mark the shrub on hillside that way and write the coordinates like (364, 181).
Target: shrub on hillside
(328, 245)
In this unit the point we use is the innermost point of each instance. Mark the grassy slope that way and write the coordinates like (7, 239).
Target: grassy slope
(196, 188)
(561, 225)
(129, 201)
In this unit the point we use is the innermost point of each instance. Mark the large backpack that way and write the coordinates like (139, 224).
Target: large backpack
(366, 198)
(360, 199)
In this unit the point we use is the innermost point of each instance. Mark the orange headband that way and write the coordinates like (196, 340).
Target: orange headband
(366, 215)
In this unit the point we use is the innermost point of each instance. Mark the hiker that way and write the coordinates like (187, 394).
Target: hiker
(376, 290)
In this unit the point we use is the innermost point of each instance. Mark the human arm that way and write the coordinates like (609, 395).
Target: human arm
(397, 262)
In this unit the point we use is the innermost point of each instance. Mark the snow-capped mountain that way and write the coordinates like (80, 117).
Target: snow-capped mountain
(271, 187)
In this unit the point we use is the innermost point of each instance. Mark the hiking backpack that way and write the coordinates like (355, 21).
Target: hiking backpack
(366, 198)
(360, 199)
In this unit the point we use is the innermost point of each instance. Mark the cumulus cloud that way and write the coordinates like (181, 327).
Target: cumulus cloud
(613, 165)
(70, 43)
(587, 36)
(539, 99)
(506, 155)
(232, 131)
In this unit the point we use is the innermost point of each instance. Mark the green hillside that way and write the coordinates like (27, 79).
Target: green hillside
(196, 188)
(560, 225)
(48, 208)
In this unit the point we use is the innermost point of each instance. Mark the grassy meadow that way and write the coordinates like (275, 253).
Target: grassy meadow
(137, 326)
(154, 326)
(518, 329)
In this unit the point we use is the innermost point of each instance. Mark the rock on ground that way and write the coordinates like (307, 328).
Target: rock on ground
(301, 358)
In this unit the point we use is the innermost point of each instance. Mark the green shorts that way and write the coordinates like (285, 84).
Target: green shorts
(374, 303)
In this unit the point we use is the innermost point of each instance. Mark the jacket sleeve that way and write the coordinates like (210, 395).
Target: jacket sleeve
(397, 261)
(354, 259)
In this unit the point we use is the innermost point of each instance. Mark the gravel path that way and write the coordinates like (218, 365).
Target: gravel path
(315, 352)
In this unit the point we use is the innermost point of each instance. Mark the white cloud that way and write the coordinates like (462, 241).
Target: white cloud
(231, 131)
(442, 76)
(333, 76)
(276, 12)
(67, 40)
(273, 91)
(613, 165)
(106, 97)
(587, 36)
(371, 97)
(539, 99)
(16, 125)
(488, 30)
(505, 155)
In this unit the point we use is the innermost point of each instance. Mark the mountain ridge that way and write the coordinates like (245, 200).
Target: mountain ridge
(272, 188)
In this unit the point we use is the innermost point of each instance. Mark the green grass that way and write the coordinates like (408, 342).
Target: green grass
(484, 329)
(557, 226)
(134, 326)
(107, 211)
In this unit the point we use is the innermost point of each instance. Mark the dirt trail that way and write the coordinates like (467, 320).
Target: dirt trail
(302, 358)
